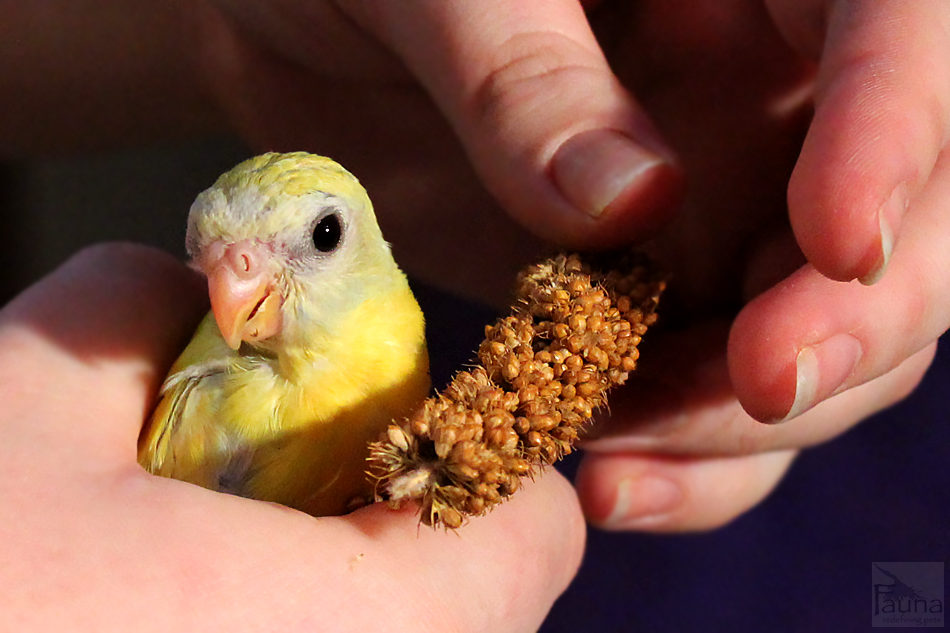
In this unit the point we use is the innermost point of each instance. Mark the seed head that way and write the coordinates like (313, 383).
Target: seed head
(543, 370)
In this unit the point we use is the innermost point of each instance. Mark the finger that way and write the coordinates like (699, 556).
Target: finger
(94, 338)
(808, 337)
(249, 562)
(690, 409)
(637, 491)
(549, 128)
(541, 527)
(882, 117)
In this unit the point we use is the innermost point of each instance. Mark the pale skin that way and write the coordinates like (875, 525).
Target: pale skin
(95, 543)
(781, 209)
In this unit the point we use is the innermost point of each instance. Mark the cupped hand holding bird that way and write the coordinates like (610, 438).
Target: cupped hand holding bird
(101, 545)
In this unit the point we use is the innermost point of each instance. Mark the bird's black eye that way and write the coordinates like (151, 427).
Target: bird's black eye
(327, 233)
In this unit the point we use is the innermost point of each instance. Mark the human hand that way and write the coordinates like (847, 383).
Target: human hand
(93, 542)
(731, 87)
(801, 338)
(803, 346)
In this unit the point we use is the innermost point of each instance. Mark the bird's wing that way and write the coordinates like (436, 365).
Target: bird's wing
(182, 440)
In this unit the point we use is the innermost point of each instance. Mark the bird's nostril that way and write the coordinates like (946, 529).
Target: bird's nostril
(244, 259)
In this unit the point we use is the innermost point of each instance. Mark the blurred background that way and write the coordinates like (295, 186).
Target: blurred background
(50, 208)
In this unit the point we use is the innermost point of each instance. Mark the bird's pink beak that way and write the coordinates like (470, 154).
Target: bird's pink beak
(241, 284)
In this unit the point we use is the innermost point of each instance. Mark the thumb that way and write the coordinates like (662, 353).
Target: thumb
(549, 128)
(93, 339)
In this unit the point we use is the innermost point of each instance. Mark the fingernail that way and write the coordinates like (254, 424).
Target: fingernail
(821, 371)
(889, 217)
(593, 168)
(642, 500)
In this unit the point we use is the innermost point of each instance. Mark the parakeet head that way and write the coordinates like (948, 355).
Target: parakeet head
(289, 242)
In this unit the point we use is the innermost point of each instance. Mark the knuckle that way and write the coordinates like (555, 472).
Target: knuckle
(526, 61)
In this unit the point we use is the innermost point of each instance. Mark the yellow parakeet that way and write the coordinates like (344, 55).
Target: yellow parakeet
(313, 345)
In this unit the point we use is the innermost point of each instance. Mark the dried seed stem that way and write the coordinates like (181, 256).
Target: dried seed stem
(543, 371)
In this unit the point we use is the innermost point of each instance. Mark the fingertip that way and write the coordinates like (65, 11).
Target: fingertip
(519, 557)
(135, 262)
(807, 339)
(127, 306)
(880, 124)
(99, 333)
(620, 492)
(761, 356)
(843, 211)
(554, 503)
(552, 132)
(544, 516)
(108, 291)
(631, 492)
(132, 295)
